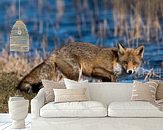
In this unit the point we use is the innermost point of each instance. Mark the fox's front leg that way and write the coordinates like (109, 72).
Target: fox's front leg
(104, 74)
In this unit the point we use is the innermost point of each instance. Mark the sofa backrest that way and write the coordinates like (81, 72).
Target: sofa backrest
(109, 92)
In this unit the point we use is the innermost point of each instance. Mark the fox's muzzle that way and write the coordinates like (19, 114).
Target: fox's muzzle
(130, 71)
(130, 68)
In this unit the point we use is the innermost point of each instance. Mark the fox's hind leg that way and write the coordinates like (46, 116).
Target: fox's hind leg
(32, 81)
(69, 67)
(105, 75)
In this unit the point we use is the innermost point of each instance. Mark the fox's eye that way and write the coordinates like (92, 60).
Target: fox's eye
(134, 62)
(125, 62)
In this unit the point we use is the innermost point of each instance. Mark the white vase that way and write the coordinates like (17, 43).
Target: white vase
(18, 110)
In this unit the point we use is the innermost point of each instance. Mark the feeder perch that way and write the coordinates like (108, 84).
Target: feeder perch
(19, 37)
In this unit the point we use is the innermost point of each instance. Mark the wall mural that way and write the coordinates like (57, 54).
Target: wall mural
(98, 40)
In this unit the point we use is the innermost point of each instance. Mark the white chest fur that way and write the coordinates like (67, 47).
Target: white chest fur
(117, 69)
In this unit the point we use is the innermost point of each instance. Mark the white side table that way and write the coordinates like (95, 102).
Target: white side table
(18, 110)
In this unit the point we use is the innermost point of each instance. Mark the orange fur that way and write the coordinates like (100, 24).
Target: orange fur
(104, 63)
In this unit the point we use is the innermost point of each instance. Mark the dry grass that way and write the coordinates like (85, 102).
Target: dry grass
(8, 83)
(18, 63)
(137, 19)
(12, 69)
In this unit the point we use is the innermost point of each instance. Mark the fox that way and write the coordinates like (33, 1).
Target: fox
(106, 64)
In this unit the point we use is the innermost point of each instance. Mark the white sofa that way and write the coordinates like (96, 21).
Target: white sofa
(116, 111)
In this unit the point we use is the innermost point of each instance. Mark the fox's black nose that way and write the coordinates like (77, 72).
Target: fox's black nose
(130, 71)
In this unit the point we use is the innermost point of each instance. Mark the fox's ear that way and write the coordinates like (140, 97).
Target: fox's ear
(121, 49)
(140, 50)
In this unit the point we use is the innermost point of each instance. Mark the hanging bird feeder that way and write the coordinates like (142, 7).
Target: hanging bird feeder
(19, 37)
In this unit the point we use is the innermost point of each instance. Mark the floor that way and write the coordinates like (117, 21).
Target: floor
(8, 126)
(6, 122)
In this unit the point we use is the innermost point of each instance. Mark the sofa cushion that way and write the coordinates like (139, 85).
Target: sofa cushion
(49, 85)
(71, 84)
(70, 95)
(74, 109)
(133, 109)
(159, 94)
(144, 91)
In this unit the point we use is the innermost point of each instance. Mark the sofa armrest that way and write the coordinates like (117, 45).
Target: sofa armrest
(36, 103)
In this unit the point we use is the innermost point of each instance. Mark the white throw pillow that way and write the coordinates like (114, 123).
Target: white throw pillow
(49, 85)
(71, 84)
(144, 91)
(70, 95)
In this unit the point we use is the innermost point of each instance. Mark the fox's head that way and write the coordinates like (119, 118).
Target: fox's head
(130, 59)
